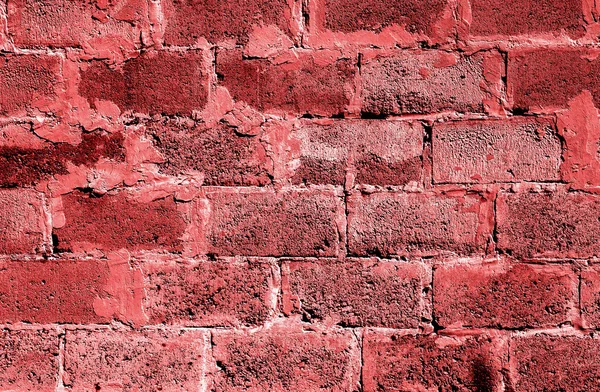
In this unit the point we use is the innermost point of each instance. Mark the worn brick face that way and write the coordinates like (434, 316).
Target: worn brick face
(22, 221)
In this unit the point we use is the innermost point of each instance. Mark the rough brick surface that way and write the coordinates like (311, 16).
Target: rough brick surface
(407, 362)
(590, 297)
(209, 293)
(496, 151)
(261, 223)
(376, 152)
(112, 222)
(286, 360)
(29, 360)
(157, 83)
(313, 83)
(369, 293)
(522, 17)
(554, 363)
(548, 224)
(389, 223)
(134, 361)
(22, 222)
(505, 296)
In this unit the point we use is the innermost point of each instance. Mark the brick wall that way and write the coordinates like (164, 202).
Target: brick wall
(299, 195)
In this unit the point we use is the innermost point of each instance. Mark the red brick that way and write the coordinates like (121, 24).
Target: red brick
(281, 359)
(356, 293)
(52, 291)
(317, 83)
(218, 152)
(155, 83)
(544, 80)
(389, 223)
(524, 17)
(397, 362)
(422, 82)
(377, 152)
(26, 165)
(25, 79)
(29, 360)
(112, 222)
(549, 224)
(590, 297)
(209, 293)
(187, 21)
(496, 151)
(42, 22)
(22, 222)
(288, 223)
(554, 363)
(501, 295)
(417, 17)
(134, 361)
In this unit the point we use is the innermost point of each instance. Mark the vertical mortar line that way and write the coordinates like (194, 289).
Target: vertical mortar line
(304, 20)
(495, 226)
(206, 352)
(62, 342)
(359, 334)
(579, 295)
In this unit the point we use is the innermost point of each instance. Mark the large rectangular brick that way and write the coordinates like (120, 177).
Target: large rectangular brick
(525, 17)
(29, 360)
(375, 152)
(428, 223)
(355, 293)
(113, 222)
(24, 79)
(403, 362)
(34, 23)
(22, 222)
(546, 79)
(161, 82)
(286, 223)
(52, 291)
(315, 83)
(283, 359)
(590, 297)
(188, 21)
(134, 361)
(209, 293)
(544, 224)
(554, 363)
(424, 82)
(223, 156)
(496, 151)
(504, 295)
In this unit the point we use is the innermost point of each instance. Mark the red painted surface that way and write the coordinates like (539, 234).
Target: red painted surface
(299, 195)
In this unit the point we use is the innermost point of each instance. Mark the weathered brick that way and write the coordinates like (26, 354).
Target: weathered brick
(554, 363)
(518, 17)
(377, 152)
(496, 151)
(29, 360)
(396, 362)
(26, 165)
(34, 23)
(314, 83)
(134, 361)
(218, 152)
(417, 17)
(22, 222)
(501, 295)
(187, 20)
(544, 80)
(25, 79)
(155, 82)
(355, 293)
(427, 223)
(209, 293)
(548, 224)
(590, 297)
(112, 222)
(282, 359)
(422, 82)
(287, 223)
